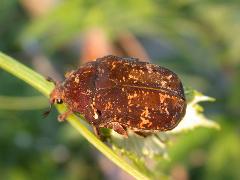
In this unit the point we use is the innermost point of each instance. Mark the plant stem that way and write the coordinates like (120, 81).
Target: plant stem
(22, 103)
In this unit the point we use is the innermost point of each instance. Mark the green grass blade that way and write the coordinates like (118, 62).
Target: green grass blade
(22, 103)
(26, 74)
(38, 82)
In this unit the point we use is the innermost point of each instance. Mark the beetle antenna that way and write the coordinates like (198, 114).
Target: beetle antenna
(46, 113)
(51, 80)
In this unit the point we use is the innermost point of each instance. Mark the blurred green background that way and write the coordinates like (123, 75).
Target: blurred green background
(197, 39)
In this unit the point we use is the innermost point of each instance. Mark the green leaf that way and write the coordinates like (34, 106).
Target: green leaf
(156, 146)
(194, 114)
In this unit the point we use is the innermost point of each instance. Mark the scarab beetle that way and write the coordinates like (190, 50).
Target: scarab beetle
(121, 94)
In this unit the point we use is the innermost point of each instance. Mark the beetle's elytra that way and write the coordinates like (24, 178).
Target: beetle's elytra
(123, 93)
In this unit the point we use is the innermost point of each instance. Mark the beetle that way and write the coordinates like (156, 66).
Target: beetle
(122, 93)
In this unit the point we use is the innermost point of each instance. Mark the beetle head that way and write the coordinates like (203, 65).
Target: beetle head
(56, 97)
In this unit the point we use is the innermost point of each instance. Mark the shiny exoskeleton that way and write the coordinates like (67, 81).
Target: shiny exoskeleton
(123, 93)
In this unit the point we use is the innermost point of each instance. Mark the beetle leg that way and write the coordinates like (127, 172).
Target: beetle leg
(64, 115)
(49, 79)
(98, 133)
(116, 126)
(143, 134)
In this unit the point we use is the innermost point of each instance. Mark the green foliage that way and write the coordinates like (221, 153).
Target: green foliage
(220, 161)
(184, 23)
(83, 15)
(22, 103)
(139, 149)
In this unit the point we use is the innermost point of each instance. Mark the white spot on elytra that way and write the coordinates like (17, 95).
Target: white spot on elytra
(145, 112)
(149, 68)
(163, 83)
(166, 110)
(169, 77)
(76, 79)
(95, 115)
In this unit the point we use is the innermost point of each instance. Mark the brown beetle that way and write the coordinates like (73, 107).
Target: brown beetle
(123, 93)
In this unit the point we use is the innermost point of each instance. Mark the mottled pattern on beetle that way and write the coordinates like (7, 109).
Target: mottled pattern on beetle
(139, 109)
(135, 73)
(138, 95)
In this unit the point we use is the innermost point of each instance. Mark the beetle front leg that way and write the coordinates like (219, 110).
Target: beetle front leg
(98, 133)
(64, 115)
(49, 79)
(142, 134)
(116, 126)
